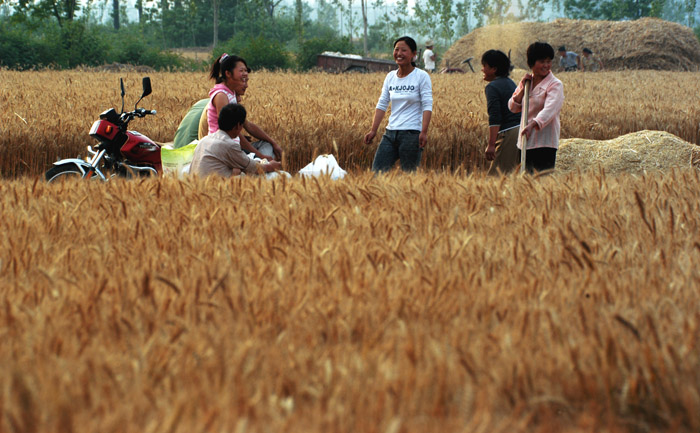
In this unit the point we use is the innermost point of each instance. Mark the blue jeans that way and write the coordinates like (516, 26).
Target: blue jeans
(402, 145)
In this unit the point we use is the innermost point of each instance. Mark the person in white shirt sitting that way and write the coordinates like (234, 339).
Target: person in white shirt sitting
(220, 152)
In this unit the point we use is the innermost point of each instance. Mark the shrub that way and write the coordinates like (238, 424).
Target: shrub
(76, 44)
(18, 50)
(135, 51)
(265, 53)
(259, 52)
(310, 49)
(81, 45)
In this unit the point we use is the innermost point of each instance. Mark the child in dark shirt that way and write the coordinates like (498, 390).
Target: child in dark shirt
(503, 124)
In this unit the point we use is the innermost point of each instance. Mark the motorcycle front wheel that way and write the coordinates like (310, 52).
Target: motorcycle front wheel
(59, 173)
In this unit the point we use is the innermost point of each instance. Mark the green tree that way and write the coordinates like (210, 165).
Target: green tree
(583, 9)
(464, 12)
(448, 18)
(64, 11)
(363, 4)
(325, 13)
(612, 9)
(491, 11)
(534, 10)
(139, 10)
(115, 14)
(680, 11)
(629, 9)
(397, 21)
(436, 18)
(270, 6)
(350, 19)
(299, 19)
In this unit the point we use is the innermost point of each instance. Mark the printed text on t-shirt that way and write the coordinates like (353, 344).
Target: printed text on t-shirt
(403, 88)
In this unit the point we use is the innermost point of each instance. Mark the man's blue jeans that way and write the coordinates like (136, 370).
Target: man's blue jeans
(402, 145)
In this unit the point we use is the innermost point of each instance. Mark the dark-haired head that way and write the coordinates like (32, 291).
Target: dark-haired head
(409, 41)
(411, 45)
(497, 59)
(539, 51)
(223, 64)
(562, 49)
(231, 116)
(587, 51)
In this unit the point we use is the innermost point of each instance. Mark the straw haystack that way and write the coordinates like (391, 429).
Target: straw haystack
(632, 153)
(647, 43)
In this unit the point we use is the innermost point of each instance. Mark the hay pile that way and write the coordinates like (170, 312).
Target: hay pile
(647, 43)
(632, 153)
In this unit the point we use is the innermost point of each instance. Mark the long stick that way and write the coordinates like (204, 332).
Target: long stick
(523, 124)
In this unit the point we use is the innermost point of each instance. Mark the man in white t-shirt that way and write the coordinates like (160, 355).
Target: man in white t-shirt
(429, 57)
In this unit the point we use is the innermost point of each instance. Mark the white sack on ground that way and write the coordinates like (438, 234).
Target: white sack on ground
(324, 165)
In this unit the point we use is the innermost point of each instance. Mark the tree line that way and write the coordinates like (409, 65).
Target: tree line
(280, 34)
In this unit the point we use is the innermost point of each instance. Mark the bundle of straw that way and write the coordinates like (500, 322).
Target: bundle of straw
(637, 152)
(647, 43)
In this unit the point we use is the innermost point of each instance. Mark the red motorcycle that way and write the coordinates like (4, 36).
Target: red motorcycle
(120, 152)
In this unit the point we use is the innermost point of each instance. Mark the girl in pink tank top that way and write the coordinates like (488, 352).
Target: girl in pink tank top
(231, 76)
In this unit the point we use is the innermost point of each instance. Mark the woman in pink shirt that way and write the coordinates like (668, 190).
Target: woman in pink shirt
(231, 76)
(546, 99)
(229, 73)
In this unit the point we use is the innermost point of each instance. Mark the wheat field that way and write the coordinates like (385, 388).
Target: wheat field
(445, 300)
(47, 115)
(394, 303)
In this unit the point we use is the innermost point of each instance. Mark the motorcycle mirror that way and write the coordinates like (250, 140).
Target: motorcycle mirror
(121, 84)
(146, 86)
(146, 90)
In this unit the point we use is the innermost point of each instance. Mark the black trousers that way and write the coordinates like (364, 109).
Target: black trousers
(540, 159)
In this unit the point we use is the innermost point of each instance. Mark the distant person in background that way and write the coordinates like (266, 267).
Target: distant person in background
(545, 102)
(569, 61)
(502, 148)
(410, 93)
(231, 76)
(429, 57)
(220, 152)
(590, 62)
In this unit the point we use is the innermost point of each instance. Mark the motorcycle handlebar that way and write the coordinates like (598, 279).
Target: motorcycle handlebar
(141, 112)
(130, 115)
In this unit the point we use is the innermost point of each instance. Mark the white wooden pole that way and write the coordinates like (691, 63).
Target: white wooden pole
(523, 124)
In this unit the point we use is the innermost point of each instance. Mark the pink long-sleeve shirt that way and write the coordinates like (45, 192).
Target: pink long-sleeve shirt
(546, 100)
